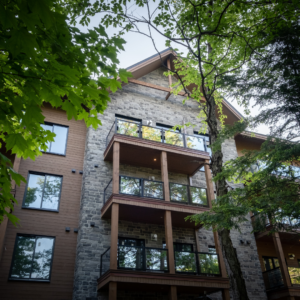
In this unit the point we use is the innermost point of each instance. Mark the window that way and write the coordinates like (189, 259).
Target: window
(180, 247)
(32, 258)
(206, 146)
(212, 250)
(270, 263)
(43, 191)
(128, 126)
(60, 141)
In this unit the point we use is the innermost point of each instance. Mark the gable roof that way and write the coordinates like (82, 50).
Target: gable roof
(160, 59)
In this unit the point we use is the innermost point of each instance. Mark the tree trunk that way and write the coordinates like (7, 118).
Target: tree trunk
(236, 277)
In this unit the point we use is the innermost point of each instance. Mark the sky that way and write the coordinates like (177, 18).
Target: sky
(139, 47)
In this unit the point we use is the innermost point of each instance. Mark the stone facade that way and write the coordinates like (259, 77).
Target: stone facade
(146, 104)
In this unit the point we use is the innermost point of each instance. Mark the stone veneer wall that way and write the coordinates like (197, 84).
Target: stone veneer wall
(147, 104)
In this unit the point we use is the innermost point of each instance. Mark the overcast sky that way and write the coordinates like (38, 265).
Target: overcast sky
(139, 47)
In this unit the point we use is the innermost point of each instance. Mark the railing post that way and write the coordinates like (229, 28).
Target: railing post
(116, 167)
(114, 236)
(281, 258)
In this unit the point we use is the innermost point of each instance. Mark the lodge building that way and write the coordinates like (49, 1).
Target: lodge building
(102, 215)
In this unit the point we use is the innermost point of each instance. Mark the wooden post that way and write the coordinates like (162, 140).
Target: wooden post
(209, 183)
(114, 236)
(221, 258)
(169, 241)
(225, 294)
(164, 175)
(3, 225)
(116, 167)
(173, 292)
(112, 291)
(282, 263)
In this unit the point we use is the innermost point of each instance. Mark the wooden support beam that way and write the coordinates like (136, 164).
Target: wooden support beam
(169, 241)
(112, 291)
(114, 236)
(209, 184)
(153, 86)
(221, 258)
(116, 167)
(164, 175)
(173, 293)
(225, 294)
(281, 258)
(168, 95)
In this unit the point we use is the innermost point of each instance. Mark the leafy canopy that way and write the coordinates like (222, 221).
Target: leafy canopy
(45, 60)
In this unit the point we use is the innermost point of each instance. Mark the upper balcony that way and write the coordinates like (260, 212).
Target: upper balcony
(141, 145)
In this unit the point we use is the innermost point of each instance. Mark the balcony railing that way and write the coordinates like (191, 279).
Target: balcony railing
(273, 278)
(154, 189)
(171, 137)
(137, 258)
(294, 275)
(200, 263)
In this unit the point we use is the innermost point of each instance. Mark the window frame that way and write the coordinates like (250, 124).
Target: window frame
(55, 124)
(272, 258)
(13, 258)
(25, 193)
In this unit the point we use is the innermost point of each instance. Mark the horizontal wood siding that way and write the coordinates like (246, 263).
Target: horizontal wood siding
(50, 223)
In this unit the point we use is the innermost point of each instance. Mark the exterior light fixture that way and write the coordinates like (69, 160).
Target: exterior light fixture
(67, 229)
(76, 230)
(96, 166)
(154, 159)
(80, 172)
(92, 224)
(73, 171)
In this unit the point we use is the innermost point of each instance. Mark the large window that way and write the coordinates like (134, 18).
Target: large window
(32, 259)
(43, 191)
(270, 263)
(60, 141)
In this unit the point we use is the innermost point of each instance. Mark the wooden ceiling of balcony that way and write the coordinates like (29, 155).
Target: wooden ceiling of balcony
(144, 153)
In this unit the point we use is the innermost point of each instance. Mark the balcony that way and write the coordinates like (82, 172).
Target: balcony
(141, 145)
(195, 271)
(142, 200)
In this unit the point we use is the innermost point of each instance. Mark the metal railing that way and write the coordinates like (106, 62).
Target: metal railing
(142, 258)
(107, 192)
(294, 273)
(105, 261)
(273, 278)
(157, 134)
(200, 263)
(155, 189)
(188, 194)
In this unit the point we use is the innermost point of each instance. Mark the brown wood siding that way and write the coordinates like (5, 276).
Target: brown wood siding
(50, 223)
(247, 143)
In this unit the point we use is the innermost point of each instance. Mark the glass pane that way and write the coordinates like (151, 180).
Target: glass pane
(209, 263)
(59, 144)
(173, 138)
(130, 186)
(183, 247)
(152, 134)
(130, 257)
(128, 128)
(51, 192)
(194, 142)
(47, 127)
(276, 262)
(34, 191)
(185, 262)
(42, 258)
(198, 195)
(131, 242)
(294, 275)
(212, 250)
(22, 260)
(153, 189)
(178, 192)
(271, 263)
(156, 260)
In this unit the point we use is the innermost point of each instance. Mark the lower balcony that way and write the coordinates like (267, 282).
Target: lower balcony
(195, 272)
(142, 200)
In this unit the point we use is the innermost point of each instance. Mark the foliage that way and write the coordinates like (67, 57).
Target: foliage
(271, 80)
(43, 61)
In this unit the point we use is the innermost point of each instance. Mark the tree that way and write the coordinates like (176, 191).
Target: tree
(219, 38)
(44, 59)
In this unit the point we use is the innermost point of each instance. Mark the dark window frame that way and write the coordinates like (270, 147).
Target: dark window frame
(269, 257)
(130, 119)
(55, 124)
(25, 193)
(13, 258)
